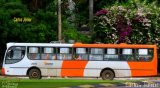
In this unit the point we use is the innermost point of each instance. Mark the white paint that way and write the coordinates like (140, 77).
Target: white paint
(121, 68)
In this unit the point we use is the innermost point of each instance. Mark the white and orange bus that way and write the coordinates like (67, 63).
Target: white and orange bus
(80, 60)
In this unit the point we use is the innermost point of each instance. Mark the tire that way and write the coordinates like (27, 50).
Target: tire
(107, 75)
(34, 74)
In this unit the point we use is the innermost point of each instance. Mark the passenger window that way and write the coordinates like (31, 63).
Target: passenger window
(14, 55)
(81, 54)
(34, 53)
(144, 55)
(48, 53)
(64, 50)
(64, 54)
(96, 51)
(96, 54)
(111, 54)
(127, 54)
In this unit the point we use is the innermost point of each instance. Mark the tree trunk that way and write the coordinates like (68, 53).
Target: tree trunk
(59, 21)
(91, 2)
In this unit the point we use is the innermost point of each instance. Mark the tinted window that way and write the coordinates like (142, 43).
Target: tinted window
(127, 54)
(96, 54)
(96, 51)
(144, 54)
(64, 54)
(81, 54)
(48, 53)
(81, 51)
(34, 53)
(111, 54)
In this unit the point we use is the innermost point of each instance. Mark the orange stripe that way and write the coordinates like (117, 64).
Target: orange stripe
(114, 45)
(144, 68)
(3, 71)
(73, 68)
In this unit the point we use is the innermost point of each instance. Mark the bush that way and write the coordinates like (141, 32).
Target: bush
(125, 23)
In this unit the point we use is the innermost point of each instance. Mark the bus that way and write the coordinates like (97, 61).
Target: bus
(107, 61)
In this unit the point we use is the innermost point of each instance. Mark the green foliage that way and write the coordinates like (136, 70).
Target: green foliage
(41, 28)
(13, 5)
(38, 30)
(81, 13)
(73, 20)
(43, 25)
(71, 33)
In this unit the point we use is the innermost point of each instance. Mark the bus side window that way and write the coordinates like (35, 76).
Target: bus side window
(144, 54)
(81, 54)
(34, 53)
(127, 54)
(96, 54)
(111, 54)
(48, 53)
(64, 54)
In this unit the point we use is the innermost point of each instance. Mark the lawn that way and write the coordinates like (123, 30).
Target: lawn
(52, 83)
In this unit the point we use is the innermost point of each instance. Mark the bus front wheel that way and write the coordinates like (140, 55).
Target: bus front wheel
(107, 75)
(34, 74)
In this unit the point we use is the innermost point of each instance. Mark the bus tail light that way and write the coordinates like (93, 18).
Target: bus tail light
(3, 71)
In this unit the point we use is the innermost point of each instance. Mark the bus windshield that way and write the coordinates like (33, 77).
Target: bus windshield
(14, 54)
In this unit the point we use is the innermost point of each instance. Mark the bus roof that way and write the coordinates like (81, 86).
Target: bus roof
(122, 45)
(40, 44)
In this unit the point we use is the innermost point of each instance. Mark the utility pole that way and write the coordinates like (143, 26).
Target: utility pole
(59, 21)
(91, 2)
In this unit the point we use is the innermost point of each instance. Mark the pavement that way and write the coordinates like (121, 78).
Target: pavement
(144, 84)
(151, 82)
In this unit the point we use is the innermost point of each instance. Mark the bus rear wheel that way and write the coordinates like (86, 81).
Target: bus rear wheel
(107, 75)
(34, 74)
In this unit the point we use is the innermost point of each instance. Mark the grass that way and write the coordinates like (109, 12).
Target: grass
(54, 83)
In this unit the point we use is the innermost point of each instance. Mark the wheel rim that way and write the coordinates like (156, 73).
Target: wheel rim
(107, 75)
(34, 74)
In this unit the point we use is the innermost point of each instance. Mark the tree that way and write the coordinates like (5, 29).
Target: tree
(42, 28)
(134, 22)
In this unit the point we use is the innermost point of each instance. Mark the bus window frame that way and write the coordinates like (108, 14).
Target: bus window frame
(134, 50)
(75, 54)
(15, 59)
(152, 56)
(55, 52)
(105, 53)
(125, 59)
(89, 53)
(135, 56)
(72, 51)
(58, 53)
(40, 51)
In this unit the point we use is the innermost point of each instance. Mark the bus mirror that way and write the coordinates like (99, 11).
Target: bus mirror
(9, 54)
(9, 51)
